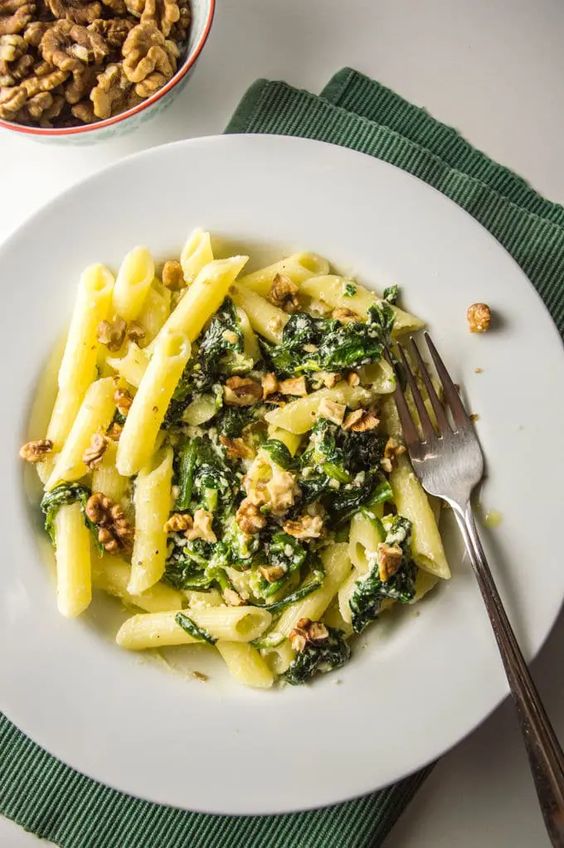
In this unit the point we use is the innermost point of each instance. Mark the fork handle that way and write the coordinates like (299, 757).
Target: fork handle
(545, 754)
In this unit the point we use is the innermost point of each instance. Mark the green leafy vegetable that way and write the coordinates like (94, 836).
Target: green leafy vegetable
(350, 289)
(391, 293)
(310, 585)
(232, 420)
(271, 640)
(192, 628)
(370, 591)
(278, 452)
(313, 344)
(186, 463)
(323, 656)
(65, 493)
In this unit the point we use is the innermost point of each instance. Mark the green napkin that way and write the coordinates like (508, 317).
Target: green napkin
(56, 802)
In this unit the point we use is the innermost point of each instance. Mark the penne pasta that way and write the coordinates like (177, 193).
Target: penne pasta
(72, 553)
(131, 366)
(265, 318)
(196, 253)
(152, 500)
(133, 282)
(94, 416)
(300, 415)
(245, 664)
(111, 574)
(150, 404)
(298, 267)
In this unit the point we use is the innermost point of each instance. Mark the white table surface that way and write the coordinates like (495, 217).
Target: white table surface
(491, 68)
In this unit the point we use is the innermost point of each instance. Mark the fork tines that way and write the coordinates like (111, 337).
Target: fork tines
(460, 418)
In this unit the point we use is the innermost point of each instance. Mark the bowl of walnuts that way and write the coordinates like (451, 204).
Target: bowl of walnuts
(90, 69)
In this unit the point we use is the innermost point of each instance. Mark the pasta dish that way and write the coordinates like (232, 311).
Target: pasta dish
(224, 456)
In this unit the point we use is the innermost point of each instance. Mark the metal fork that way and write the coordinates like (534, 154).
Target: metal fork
(449, 463)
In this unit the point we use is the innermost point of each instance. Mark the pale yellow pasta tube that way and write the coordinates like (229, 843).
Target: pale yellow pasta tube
(412, 502)
(245, 664)
(111, 574)
(196, 253)
(337, 566)
(364, 537)
(157, 630)
(280, 657)
(78, 365)
(147, 412)
(133, 282)
(268, 320)
(298, 267)
(107, 479)
(250, 341)
(300, 415)
(131, 366)
(155, 312)
(331, 289)
(72, 553)
(94, 416)
(204, 297)
(152, 500)
(200, 410)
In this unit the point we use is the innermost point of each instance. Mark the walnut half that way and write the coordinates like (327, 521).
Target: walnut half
(37, 450)
(115, 532)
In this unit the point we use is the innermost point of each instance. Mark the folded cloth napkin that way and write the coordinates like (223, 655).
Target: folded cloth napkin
(56, 802)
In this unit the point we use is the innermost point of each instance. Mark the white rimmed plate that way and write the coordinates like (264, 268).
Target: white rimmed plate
(420, 680)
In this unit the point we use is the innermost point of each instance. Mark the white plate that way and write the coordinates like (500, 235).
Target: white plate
(428, 675)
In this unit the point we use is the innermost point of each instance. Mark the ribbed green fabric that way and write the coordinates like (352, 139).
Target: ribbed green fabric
(56, 802)
(386, 126)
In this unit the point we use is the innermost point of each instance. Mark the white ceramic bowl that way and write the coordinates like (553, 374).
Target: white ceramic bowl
(202, 19)
(419, 680)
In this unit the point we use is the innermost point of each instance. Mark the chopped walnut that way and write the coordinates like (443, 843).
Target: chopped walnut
(112, 333)
(269, 384)
(115, 532)
(14, 99)
(389, 560)
(294, 386)
(149, 59)
(344, 315)
(12, 47)
(236, 448)
(178, 522)
(201, 527)
(113, 92)
(479, 317)
(114, 432)
(266, 484)
(331, 410)
(360, 420)
(123, 401)
(84, 111)
(331, 378)
(172, 275)
(70, 46)
(162, 13)
(232, 597)
(392, 450)
(77, 11)
(37, 450)
(114, 32)
(179, 31)
(284, 293)
(242, 391)
(307, 632)
(272, 573)
(14, 71)
(35, 32)
(135, 332)
(305, 527)
(353, 378)
(15, 16)
(249, 517)
(93, 454)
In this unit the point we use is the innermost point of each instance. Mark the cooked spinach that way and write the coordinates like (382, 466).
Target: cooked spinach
(278, 453)
(232, 420)
(309, 586)
(324, 656)
(370, 590)
(286, 552)
(350, 289)
(192, 628)
(391, 293)
(66, 493)
(313, 344)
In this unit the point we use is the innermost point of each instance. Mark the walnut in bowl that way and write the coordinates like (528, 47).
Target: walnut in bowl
(84, 68)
